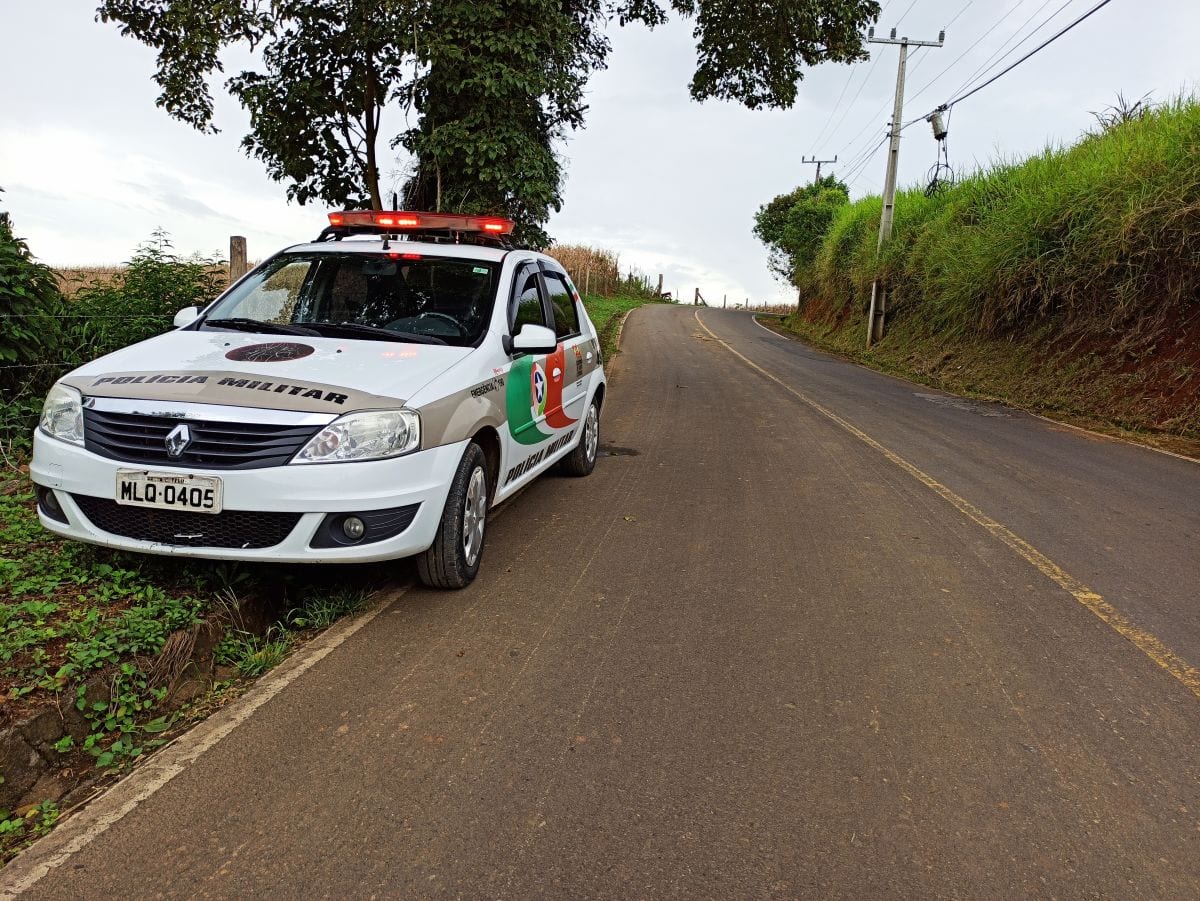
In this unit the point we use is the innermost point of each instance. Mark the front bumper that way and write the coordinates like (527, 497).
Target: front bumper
(313, 491)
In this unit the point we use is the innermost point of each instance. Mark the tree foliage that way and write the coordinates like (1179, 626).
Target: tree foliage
(794, 225)
(28, 296)
(755, 51)
(495, 84)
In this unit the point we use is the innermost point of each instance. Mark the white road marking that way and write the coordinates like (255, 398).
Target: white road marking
(767, 330)
(82, 828)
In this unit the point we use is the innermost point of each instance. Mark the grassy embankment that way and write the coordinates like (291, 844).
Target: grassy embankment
(1067, 283)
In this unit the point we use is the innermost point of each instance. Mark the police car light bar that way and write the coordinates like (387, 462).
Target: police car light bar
(403, 221)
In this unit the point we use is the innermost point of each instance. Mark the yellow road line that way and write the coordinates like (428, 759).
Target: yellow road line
(1146, 642)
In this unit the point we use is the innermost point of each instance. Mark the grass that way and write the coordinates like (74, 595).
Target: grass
(1099, 238)
(1065, 283)
(606, 314)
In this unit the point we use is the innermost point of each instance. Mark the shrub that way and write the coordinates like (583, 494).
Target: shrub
(29, 298)
(45, 336)
(142, 300)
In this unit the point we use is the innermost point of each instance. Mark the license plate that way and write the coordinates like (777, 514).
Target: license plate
(169, 491)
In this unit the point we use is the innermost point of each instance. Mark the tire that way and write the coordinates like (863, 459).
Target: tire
(453, 559)
(582, 460)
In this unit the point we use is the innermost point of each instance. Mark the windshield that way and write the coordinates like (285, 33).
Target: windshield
(370, 296)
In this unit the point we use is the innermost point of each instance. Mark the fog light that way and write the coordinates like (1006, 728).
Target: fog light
(353, 528)
(49, 505)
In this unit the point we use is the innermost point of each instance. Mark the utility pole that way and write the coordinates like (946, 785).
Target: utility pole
(878, 291)
(807, 162)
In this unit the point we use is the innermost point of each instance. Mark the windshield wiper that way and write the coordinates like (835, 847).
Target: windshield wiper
(241, 324)
(375, 331)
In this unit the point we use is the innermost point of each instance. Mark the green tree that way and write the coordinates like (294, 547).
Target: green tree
(495, 83)
(331, 66)
(793, 226)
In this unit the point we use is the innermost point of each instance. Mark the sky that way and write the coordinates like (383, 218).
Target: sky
(90, 166)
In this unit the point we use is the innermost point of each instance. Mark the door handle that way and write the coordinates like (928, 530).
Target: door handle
(557, 373)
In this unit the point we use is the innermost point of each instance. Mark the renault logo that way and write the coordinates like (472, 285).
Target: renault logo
(177, 440)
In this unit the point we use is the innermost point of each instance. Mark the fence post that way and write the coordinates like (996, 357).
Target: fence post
(587, 281)
(237, 258)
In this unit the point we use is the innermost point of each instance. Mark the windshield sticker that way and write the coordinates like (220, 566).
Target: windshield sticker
(480, 270)
(273, 352)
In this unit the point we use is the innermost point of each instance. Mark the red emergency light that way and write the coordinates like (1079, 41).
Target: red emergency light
(405, 221)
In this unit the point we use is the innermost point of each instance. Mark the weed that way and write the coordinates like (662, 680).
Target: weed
(322, 609)
(251, 654)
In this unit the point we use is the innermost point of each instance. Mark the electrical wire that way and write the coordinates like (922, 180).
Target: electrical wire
(837, 128)
(905, 13)
(850, 77)
(1034, 51)
(854, 173)
(991, 62)
(959, 14)
(979, 40)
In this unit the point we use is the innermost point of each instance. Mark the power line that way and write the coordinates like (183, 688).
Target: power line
(960, 57)
(865, 160)
(850, 77)
(991, 61)
(958, 15)
(836, 106)
(879, 112)
(903, 14)
(836, 128)
(1035, 50)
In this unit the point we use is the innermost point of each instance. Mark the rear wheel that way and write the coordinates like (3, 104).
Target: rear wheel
(582, 460)
(453, 559)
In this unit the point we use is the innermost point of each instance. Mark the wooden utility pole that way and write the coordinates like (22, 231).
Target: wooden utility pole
(237, 258)
(878, 291)
(807, 162)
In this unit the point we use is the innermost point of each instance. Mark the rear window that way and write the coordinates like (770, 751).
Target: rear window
(446, 298)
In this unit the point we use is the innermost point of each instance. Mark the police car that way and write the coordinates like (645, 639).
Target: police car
(367, 396)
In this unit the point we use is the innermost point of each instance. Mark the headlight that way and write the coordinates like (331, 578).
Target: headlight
(62, 414)
(364, 436)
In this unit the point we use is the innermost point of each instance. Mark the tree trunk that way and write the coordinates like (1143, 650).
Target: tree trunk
(371, 128)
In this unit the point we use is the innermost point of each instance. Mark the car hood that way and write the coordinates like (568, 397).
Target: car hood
(326, 375)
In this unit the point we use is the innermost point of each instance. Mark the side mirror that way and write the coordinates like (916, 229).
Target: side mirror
(186, 316)
(535, 339)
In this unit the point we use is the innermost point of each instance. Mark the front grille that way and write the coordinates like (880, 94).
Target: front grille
(135, 438)
(229, 528)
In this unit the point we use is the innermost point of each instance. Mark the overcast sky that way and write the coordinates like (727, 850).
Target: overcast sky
(91, 166)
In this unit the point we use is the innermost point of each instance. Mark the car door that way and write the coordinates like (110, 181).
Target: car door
(528, 435)
(565, 368)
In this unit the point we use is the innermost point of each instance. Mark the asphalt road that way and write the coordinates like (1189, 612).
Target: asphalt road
(811, 632)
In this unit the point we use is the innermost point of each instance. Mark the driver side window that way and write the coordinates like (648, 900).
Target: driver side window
(527, 304)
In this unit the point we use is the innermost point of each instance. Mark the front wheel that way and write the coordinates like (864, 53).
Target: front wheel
(453, 559)
(582, 460)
